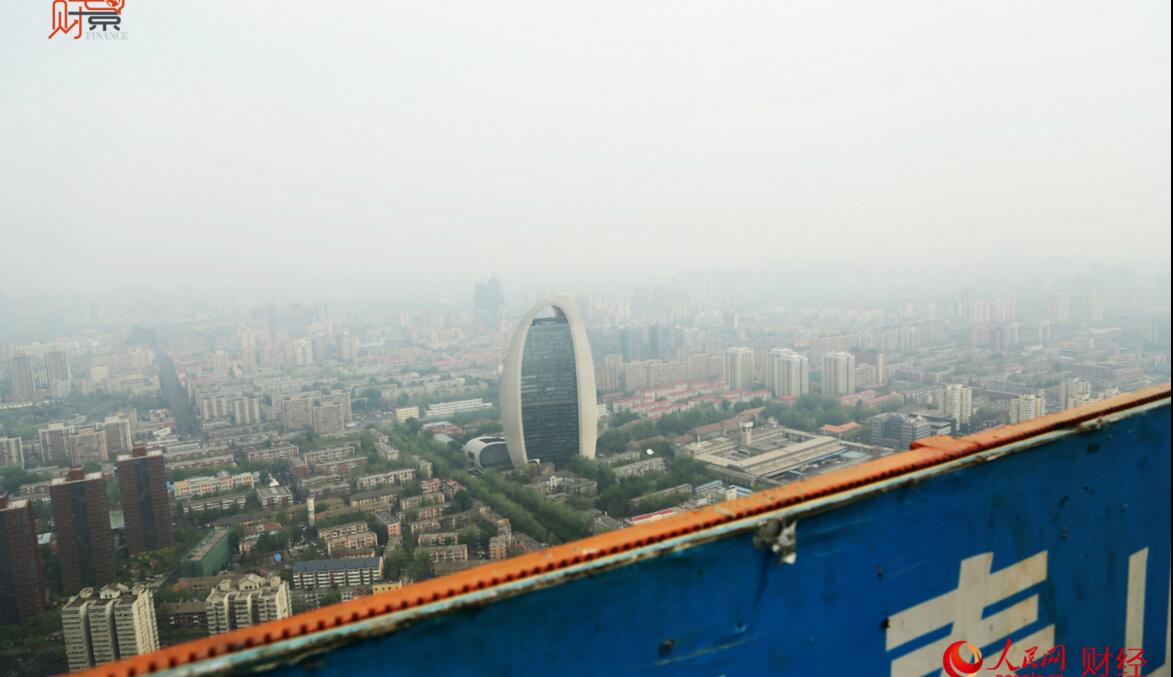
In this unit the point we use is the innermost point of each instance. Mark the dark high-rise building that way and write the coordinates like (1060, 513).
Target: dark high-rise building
(142, 478)
(22, 580)
(56, 366)
(548, 401)
(20, 372)
(631, 343)
(661, 342)
(81, 520)
(488, 302)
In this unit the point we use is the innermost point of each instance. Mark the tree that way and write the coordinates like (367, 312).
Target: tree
(13, 477)
(622, 418)
(420, 566)
(462, 501)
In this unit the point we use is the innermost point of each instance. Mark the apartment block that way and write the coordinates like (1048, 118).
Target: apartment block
(247, 601)
(114, 623)
(337, 573)
(81, 522)
(22, 577)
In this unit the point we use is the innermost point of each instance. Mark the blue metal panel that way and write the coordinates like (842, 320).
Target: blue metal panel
(1084, 505)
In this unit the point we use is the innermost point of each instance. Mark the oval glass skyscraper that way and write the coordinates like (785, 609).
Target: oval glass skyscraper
(548, 405)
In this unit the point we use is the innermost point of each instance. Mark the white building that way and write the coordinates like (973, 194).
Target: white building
(787, 373)
(738, 368)
(956, 401)
(116, 623)
(1074, 392)
(1026, 407)
(838, 374)
(337, 573)
(11, 452)
(248, 601)
(445, 409)
(404, 413)
(222, 483)
(119, 438)
(246, 411)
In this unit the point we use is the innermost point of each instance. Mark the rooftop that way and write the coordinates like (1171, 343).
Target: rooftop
(336, 564)
(201, 549)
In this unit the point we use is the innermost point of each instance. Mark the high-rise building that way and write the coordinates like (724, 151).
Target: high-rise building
(1059, 308)
(214, 407)
(1074, 392)
(956, 401)
(787, 373)
(56, 366)
(303, 352)
(838, 374)
(347, 346)
(119, 438)
(897, 431)
(296, 413)
(247, 602)
(631, 343)
(55, 444)
(118, 622)
(88, 445)
(1094, 309)
(488, 302)
(22, 580)
(142, 480)
(1026, 407)
(20, 371)
(221, 363)
(341, 398)
(977, 312)
(246, 411)
(320, 347)
(327, 419)
(661, 342)
(907, 338)
(1003, 310)
(11, 452)
(548, 405)
(738, 368)
(81, 522)
(875, 359)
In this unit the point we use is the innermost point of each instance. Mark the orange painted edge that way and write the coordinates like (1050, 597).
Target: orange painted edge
(925, 453)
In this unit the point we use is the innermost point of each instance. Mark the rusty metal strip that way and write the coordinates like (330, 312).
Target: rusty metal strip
(924, 454)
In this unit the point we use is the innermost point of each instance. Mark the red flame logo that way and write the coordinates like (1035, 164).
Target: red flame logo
(957, 666)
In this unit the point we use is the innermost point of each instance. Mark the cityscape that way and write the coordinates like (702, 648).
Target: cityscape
(536, 338)
(221, 469)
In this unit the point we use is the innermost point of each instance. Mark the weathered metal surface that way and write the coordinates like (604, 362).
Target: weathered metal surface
(1058, 536)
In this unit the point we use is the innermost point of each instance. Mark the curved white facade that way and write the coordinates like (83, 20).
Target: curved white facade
(512, 419)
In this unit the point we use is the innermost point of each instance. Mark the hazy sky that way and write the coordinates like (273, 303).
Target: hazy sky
(383, 143)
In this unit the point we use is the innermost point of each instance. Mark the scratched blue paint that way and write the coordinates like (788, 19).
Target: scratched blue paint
(1089, 499)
